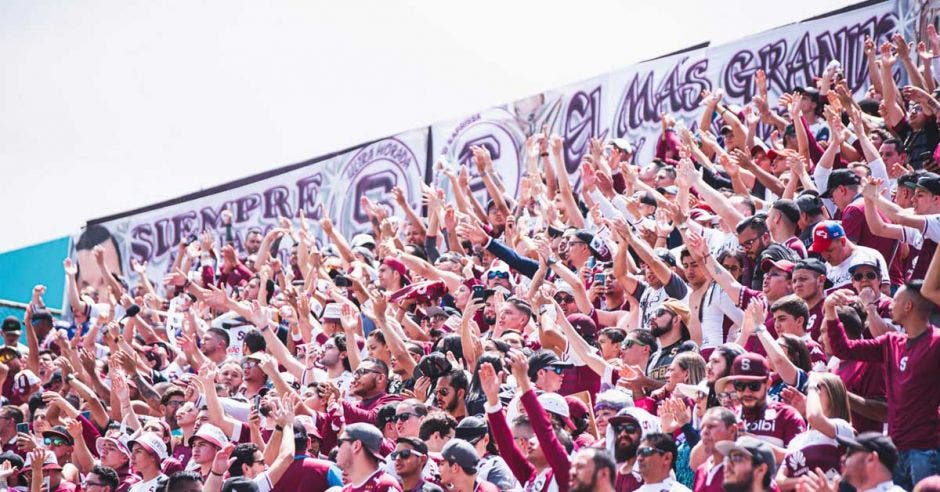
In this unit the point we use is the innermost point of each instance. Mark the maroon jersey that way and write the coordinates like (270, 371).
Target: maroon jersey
(775, 423)
(484, 486)
(813, 449)
(627, 482)
(709, 477)
(865, 379)
(367, 410)
(377, 482)
(578, 379)
(910, 369)
(308, 475)
(815, 321)
(182, 453)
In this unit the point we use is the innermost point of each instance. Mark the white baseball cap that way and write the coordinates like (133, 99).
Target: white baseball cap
(211, 434)
(152, 443)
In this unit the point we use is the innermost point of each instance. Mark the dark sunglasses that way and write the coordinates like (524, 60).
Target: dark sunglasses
(751, 385)
(858, 277)
(363, 371)
(628, 428)
(404, 454)
(629, 342)
(563, 298)
(54, 441)
(496, 274)
(647, 451)
(402, 417)
(555, 369)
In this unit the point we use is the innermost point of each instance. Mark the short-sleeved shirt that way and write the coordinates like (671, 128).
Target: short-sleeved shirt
(813, 449)
(150, 485)
(377, 482)
(650, 299)
(775, 423)
(307, 474)
(660, 361)
(839, 274)
(858, 231)
(716, 306)
(709, 478)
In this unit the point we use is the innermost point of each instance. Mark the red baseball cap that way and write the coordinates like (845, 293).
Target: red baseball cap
(824, 234)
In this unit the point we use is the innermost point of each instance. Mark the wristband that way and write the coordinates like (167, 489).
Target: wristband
(760, 328)
(544, 154)
(551, 261)
(279, 428)
(213, 472)
(187, 283)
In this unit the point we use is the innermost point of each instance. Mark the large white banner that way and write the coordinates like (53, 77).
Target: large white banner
(324, 188)
(628, 103)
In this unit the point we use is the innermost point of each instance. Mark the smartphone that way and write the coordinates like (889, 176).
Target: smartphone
(256, 401)
(479, 292)
(341, 281)
(600, 278)
(24, 428)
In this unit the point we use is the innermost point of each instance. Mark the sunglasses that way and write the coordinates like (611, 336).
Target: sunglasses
(54, 441)
(629, 342)
(555, 369)
(563, 298)
(647, 451)
(858, 277)
(364, 371)
(496, 274)
(404, 454)
(628, 428)
(402, 417)
(751, 385)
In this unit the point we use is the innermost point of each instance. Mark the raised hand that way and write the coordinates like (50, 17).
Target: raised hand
(871, 187)
(70, 268)
(489, 383)
(349, 317)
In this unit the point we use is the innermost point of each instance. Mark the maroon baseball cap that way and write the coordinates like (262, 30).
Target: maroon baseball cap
(784, 265)
(746, 367)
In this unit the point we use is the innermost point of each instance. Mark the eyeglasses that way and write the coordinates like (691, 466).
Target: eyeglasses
(738, 457)
(442, 391)
(751, 385)
(402, 417)
(749, 242)
(54, 441)
(628, 428)
(496, 274)
(362, 371)
(647, 451)
(858, 277)
(630, 342)
(404, 454)
(563, 298)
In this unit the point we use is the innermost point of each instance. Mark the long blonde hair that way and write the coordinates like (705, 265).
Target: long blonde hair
(692, 363)
(838, 396)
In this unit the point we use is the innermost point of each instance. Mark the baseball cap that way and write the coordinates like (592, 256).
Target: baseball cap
(461, 452)
(746, 367)
(824, 234)
(681, 309)
(396, 265)
(12, 325)
(120, 444)
(40, 314)
(693, 391)
(809, 203)
(873, 442)
(812, 264)
(841, 177)
(362, 240)
(648, 422)
(151, 442)
(544, 359)
(584, 325)
(24, 379)
(369, 435)
(869, 262)
(767, 263)
(556, 404)
(416, 444)
(759, 451)
(211, 434)
(910, 179)
(61, 432)
(930, 183)
(471, 429)
(810, 91)
(332, 312)
(239, 484)
(788, 208)
(648, 199)
(623, 144)
(666, 256)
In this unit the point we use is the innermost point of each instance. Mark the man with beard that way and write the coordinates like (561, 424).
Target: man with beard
(718, 424)
(214, 345)
(773, 422)
(624, 432)
(869, 460)
(370, 384)
(592, 470)
(231, 378)
(656, 457)
(669, 325)
(332, 356)
(749, 464)
(450, 393)
(754, 238)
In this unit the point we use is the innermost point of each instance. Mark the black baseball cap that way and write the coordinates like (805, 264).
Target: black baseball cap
(12, 325)
(415, 443)
(758, 450)
(873, 442)
(841, 177)
(41, 314)
(788, 208)
(814, 265)
(930, 182)
(544, 359)
(809, 203)
(810, 91)
(910, 179)
(471, 429)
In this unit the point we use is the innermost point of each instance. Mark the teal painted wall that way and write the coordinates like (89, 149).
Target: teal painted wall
(21, 269)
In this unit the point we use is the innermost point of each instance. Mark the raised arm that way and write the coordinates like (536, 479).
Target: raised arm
(577, 343)
(699, 250)
(564, 184)
(894, 113)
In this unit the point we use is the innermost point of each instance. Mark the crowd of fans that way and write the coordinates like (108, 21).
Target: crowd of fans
(740, 313)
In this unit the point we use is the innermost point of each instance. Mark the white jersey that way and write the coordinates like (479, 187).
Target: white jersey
(839, 274)
(149, 485)
(715, 306)
(670, 484)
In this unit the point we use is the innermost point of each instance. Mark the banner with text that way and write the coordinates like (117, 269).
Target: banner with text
(330, 187)
(628, 103)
